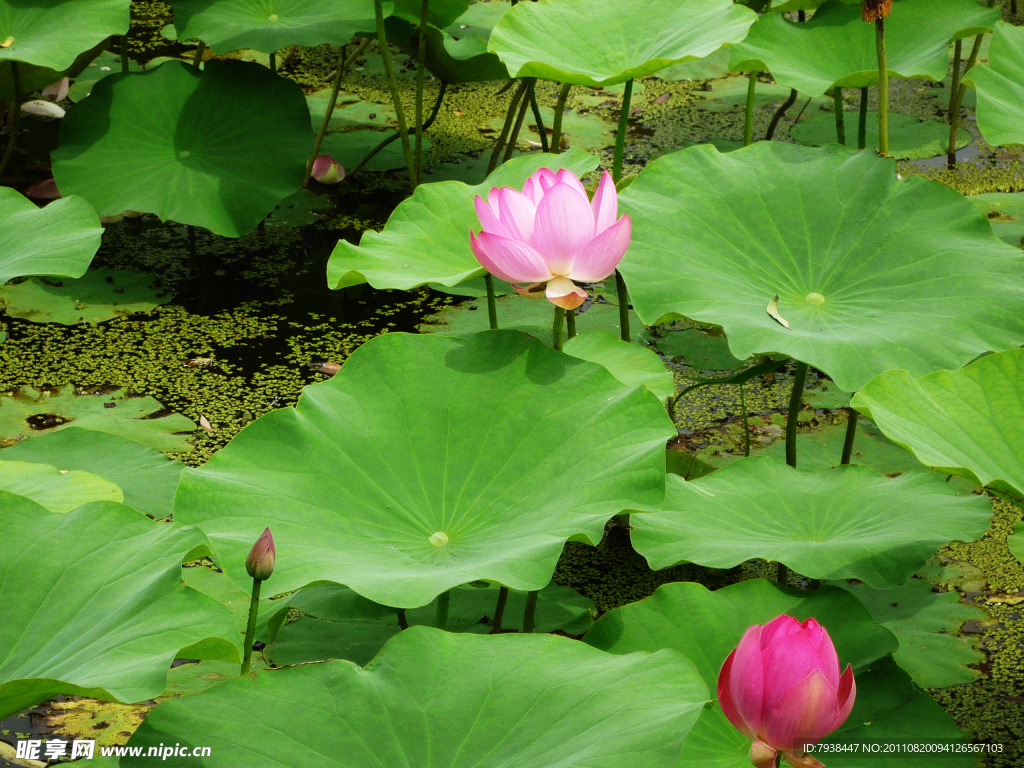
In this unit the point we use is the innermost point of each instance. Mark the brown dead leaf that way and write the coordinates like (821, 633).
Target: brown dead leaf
(773, 313)
(1005, 599)
(662, 99)
(459, 114)
(205, 423)
(329, 368)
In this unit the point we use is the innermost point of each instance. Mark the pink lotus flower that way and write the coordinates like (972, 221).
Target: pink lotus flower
(781, 687)
(552, 233)
(262, 557)
(327, 170)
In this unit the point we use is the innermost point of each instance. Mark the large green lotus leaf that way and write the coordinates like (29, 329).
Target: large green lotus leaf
(339, 624)
(53, 489)
(909, 137)
(451, 59)
(434, 699)
(426, 238)
(872, 273)
(602, 42)
(429, 462)
(845, 523)
(217, 148)
(98, 296)
(1000, 87)
(1005, 211)
(837, 48)
(966, 422)
(58, 240)
(705, 626)
(237, 600)
(822, 448)
(32, 78)
(270, 25)
(350, 147)
(51, 33)
(147, 478)
(94, 604)
(440, 13)
(888, 708)
(532, 316)
(29, 412)
(629, 363)
(924, 622)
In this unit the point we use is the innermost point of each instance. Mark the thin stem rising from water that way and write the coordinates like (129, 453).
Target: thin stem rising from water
(250, 628)
(492, 302)
(556, 128)
(748, 124)
(883, 88)
(793, 414)
(556, 328)
(862, 125)
(396, 97)
(530, 612)
(851, 433)
(620, 135)
(837, 96)
(623, 293)
(420, 76)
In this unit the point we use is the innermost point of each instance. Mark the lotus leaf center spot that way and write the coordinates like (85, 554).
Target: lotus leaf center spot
(185, 153)
(815, 298)
(272, 17)
(439, 539)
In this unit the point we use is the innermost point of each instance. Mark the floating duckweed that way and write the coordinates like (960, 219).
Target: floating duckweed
(438, 538)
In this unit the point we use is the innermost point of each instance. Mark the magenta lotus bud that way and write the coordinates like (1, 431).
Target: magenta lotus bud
(327, 170)
(781, 688)
(552, 233)
(262, 556)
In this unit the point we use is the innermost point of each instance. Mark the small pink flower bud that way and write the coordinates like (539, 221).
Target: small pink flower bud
(327, 170)
(262, 556)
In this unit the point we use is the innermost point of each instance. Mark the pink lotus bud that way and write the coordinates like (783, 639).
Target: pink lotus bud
(262, 556)
(781, 688)
(552, 233)
(58, 91)
(327, 170)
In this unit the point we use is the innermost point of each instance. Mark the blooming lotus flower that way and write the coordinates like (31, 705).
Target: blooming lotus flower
(327, 170)
(262, 556)
(781, 687)
(552, 233)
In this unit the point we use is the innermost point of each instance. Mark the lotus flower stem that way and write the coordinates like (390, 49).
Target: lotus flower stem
(403, 622)
(325, 123)
(14, 121)
(444, 602)
(510, 145)
(499, 610)
(748, 125)
(961, 91)
(851, 433)
(620, 135)
(837, 95)
(492, 302)
(373, 152)
(506, 128)
(124, 52)
(746, 423)
(396, 97)
(782, 574)
(780, 113)
(862, 126)
(883, 88)
(623, 293)
(536, 115)
(556, 128)
(556, 328)
(197, 57)
(421, 72)
(793, 414)
(260, 566)
(570, 324)
(957, 61)
(250, 628)
(273, 62)
(531, 611)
